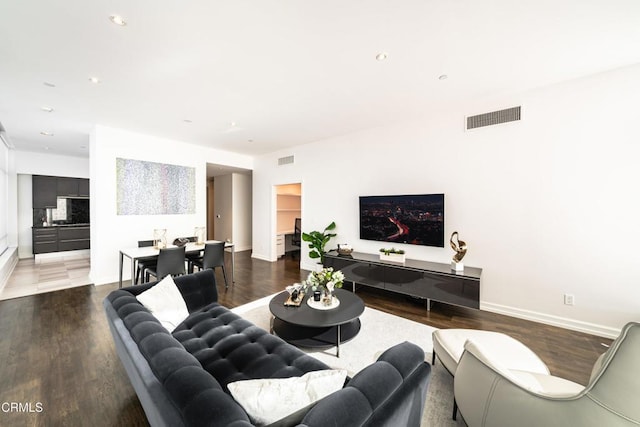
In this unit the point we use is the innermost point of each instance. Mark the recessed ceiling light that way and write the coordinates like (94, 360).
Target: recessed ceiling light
(118, 20)
(188, 121)
(233, 124)
(49, 84)
(46, 109)
(382, 56)
(443, 77)
(45, 133)
(94, 80)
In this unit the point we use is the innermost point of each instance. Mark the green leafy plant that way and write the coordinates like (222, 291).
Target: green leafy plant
(391, 251)
(318, 240)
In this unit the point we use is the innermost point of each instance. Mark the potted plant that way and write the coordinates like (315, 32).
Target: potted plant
(393, 255)
(325, 281)
(318, 240)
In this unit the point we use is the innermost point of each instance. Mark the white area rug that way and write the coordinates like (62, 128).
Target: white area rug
(378, 332)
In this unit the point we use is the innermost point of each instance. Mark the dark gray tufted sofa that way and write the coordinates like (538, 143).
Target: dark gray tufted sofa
(181, 377)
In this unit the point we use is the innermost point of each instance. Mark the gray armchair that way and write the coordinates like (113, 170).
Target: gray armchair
(490, 395)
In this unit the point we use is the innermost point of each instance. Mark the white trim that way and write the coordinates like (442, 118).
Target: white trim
(261, 257)
(5, 139)
(8, 262)
(548, 319)
(75, 254)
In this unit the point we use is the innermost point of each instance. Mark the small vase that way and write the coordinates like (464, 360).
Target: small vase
(160, 238)
(327, 297)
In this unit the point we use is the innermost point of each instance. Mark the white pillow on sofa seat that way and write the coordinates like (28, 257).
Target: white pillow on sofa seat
(271, 399)
(165, 302)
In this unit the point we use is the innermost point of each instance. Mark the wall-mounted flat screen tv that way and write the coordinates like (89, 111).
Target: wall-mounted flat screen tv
(411, 219)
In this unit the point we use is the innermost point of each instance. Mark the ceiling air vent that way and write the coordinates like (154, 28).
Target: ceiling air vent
(285, 160)
(494, 118)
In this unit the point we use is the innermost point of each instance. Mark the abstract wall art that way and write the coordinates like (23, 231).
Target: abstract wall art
(148, 188)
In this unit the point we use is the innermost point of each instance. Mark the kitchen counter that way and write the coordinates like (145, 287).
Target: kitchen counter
(61, 237)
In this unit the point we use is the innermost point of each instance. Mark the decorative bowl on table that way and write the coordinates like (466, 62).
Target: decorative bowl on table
(344, 249)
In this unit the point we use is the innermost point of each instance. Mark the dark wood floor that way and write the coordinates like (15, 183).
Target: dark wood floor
(57, 354)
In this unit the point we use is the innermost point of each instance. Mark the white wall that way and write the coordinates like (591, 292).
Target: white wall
(111, 232)
(242, 211)
(547, 205)
(32, 163)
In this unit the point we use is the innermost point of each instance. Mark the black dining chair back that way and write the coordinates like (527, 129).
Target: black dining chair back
(213, 257)
(170, 262)
(296, 239)
(144, 263)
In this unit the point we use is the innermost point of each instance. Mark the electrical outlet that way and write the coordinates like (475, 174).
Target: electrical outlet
(568, 299)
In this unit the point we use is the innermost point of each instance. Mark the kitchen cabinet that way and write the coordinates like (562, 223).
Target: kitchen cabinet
(61, 238)
(83, 187)
(45, 192)
(46, 189)
(72, 238)
(72, 187)
(45, 240)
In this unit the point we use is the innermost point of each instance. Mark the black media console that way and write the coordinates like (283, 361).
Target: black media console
(422, 279)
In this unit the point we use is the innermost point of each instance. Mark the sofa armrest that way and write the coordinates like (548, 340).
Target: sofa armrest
(487, 394)
(540, 384)
(390, 392)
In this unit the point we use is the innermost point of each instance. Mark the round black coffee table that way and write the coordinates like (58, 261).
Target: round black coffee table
(309, 327)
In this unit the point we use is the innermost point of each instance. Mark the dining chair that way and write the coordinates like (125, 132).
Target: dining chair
(213, 257)
(170, 262)
(296, 239)
(145, 263)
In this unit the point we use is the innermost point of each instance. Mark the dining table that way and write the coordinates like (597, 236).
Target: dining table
(135, 253)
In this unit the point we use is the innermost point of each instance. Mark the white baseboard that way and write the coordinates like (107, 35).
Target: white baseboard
(8, 262)
(61, 256)
(262, 257)
(547, 319)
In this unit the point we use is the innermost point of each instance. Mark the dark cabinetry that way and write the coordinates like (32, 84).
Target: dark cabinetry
(74, 238)
(45, 192)
(64, 238)
(83, 187)
(72, 187)
(46, 189)
(45, 240)
(429, 280)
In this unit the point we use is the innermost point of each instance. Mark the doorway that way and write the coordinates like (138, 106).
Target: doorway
(288, 210)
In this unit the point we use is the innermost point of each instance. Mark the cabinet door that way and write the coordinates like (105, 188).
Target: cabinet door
(45, 240)
(362, 273)
(67, 186)
(44, 192)
(404, 281)
(451, 290)
(74, 238)
(83, 187)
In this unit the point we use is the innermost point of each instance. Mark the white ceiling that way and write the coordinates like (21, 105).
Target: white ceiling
(286, 72)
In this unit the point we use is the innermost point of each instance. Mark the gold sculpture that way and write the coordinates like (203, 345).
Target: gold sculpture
(459, 246)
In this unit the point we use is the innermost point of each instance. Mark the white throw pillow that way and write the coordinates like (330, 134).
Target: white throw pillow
(165, 302)
(268, 400)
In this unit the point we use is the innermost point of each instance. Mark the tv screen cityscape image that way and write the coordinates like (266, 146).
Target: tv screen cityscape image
(411, 219)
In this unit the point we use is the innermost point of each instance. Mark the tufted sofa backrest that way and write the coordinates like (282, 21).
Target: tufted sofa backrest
(231, 348)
